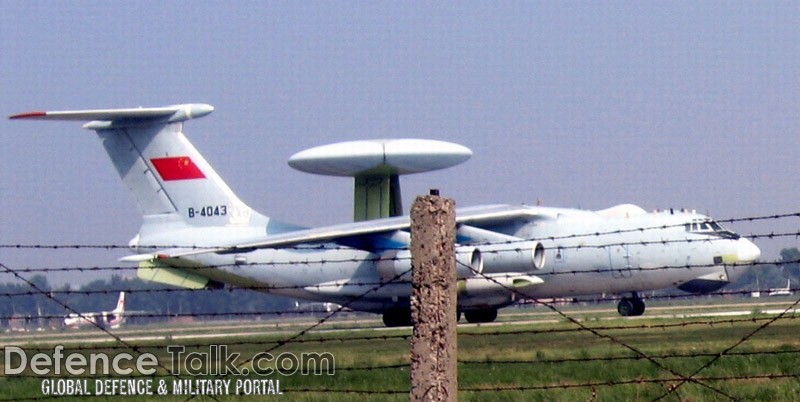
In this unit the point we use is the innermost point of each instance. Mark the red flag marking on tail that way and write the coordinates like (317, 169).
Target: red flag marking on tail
(177, 168)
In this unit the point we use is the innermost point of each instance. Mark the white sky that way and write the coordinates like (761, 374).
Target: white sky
(579, 104)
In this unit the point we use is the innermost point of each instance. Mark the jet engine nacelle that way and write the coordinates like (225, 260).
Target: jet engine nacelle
(398, 263)
(522, 256)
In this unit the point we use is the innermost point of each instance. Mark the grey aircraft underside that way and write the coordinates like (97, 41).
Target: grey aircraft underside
(196, 233)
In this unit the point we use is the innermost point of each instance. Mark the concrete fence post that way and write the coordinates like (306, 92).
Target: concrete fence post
(433, 299)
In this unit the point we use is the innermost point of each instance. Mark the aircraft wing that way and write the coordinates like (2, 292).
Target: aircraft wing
(479, 216)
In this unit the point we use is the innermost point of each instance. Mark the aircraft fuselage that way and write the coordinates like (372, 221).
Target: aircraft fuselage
(616, 251)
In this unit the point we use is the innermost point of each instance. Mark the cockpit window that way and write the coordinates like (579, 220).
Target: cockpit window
(710, 227)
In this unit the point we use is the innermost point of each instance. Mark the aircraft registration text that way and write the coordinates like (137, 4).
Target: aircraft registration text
(215, 210)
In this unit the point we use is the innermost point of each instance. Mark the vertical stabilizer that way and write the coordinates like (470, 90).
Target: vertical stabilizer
(167, 175)
(120, 304)
(182, 199)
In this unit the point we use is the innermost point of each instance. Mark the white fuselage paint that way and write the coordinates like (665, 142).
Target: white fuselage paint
(586, 253)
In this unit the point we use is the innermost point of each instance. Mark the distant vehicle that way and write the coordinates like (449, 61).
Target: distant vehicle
(207, 237)
(105, 319)
(787, 291)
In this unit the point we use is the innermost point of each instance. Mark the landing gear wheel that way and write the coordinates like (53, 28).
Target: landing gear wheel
(397, 318)
(478, 316)
(638, 306)
(630, 307)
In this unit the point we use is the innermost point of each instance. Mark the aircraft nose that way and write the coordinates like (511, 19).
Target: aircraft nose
(747, 252)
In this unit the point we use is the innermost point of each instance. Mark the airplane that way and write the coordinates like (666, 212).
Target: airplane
(196, 233)
(787, 291)
(105, 319)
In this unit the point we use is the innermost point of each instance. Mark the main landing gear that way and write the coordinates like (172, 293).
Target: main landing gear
(631, 306)
(398, 317)
(478, 316)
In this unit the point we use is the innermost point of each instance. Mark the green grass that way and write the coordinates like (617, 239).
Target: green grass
(636, 360)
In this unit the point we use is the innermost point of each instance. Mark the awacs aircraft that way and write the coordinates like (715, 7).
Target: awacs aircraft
(197, 233)
(104, 319)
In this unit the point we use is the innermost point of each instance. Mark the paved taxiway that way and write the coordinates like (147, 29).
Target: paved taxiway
(218, 331)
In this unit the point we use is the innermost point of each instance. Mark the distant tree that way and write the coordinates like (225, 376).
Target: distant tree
(766, 276)
(40, 281)
(758, 277)
(790, 260)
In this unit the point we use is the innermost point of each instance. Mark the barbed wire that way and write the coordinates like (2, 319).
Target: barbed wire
(550, 387)
(636, 381)
(546, 387)
(405, 336)
(497, 361)
(357, 284)
(621, 343)
(136, 349)
(377, 250)
(399, 259)
(514, 388)
(299, 311)
(727, 350)
(683, 379)
(329, 246)
(276, 345)
(543, 273)
(600, 332)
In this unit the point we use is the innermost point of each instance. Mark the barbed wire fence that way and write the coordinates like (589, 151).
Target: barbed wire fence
(670, 380)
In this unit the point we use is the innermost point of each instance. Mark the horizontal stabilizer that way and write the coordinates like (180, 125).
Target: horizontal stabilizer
(170, 114)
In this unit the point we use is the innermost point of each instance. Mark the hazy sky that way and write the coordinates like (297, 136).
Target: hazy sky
(578, 104)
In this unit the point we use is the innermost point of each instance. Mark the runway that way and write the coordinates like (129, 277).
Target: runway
(217, 331)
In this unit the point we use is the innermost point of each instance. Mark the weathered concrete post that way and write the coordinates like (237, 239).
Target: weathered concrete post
(433, 299)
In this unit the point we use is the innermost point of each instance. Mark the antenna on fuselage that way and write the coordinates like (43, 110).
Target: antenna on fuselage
(376, 167)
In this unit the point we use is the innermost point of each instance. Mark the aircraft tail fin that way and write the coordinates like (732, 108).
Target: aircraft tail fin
(176, 189)
(120, 304)
(116, 318)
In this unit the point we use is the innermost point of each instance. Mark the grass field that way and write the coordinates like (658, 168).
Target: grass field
(602, 358)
